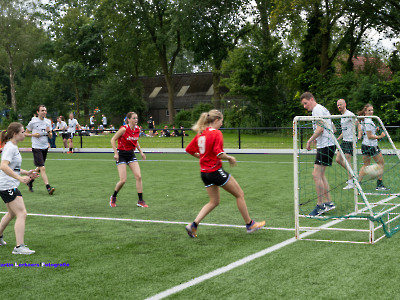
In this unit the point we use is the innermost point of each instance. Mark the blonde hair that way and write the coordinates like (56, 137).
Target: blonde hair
(363, 111)
(206, 118)
(8, 134)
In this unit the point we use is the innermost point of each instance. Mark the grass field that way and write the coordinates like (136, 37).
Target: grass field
(130, 256)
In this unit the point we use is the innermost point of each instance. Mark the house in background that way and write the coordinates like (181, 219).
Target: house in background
(190, 89)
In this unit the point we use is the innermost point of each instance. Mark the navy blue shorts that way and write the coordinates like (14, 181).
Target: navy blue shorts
(39, 156)
(370, 150)
(347, 147)
(219, 177)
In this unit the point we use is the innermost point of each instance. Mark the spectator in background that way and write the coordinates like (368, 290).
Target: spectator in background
(150, 123)
(165, 132)
(104, 121)
(91, 122)
(52, 140)
(72, 126)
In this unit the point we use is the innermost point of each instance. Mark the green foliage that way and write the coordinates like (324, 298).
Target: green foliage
(116, 96)
(184, 118)
(199, 109)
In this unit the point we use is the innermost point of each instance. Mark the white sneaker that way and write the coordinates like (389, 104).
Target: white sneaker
(350, 185)
(2, 242)
(22, 249)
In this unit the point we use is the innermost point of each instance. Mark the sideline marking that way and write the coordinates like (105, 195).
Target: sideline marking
(234, 265)
(147, 221)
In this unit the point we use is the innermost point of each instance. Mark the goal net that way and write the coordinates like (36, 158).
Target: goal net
(358, 195)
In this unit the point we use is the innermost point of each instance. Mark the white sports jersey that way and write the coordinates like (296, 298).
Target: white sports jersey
(347, 126)
(37, 125)
(324, 140)
(11, 154)
(368, 125)
(62, 125)
(72, 124)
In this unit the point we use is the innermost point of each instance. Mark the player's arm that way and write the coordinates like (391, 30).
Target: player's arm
(375, 137)
(5, 167)
(231, 159)
(141, 151)
(114, 139)
(28, 133)
(314, 137)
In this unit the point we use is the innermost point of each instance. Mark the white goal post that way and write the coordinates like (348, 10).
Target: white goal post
(363, 214)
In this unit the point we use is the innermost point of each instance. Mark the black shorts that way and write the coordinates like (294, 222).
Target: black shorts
(66, 135)
(370, 150)
(347, 147)
(126, 157)
(10, 195)
(325, 156)
(39, 156)
(219, 177)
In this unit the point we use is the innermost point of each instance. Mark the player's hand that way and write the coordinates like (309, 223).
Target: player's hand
(232, 161)
(36, 135)
(143, 156)
(116, 157)
(24, 179)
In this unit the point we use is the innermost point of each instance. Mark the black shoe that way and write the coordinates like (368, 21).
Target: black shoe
(30, 185)
(51, 190)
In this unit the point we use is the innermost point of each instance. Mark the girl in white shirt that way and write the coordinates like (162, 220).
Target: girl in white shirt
(369, 147)
(10, 178)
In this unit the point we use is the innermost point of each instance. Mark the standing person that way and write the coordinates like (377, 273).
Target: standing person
(52, 140)
(347, 137)
(127, 137)
(207, 145)
(150, 123)
(104, 120)
(72, 126)
(91, 122)
(10, 178)
(39, 129)
(62, 126)
(325, 153)
(369, 147)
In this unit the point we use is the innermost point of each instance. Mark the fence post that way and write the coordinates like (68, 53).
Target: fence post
(81, 140)
(239, 139)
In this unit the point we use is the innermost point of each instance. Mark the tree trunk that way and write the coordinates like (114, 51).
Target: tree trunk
(171, 98)
(325, 64)
(217, 93)
(12, 82)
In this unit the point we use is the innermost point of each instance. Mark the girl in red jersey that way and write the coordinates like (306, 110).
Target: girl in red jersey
(207, 145)
(127, 137)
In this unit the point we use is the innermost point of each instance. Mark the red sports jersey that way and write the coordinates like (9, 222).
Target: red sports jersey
(128, 141)
(209, 144)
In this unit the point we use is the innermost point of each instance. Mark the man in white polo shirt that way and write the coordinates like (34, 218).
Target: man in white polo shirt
(39, 128)
(325, 152)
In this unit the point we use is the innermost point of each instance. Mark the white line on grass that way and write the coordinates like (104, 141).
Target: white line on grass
(234, 265)
(171, 160)
(147, 221)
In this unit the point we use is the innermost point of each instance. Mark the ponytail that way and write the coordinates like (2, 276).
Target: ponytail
(8, 134)
(206, 119)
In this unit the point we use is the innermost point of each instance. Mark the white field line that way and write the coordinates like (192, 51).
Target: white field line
(234, 265)
(147, 221)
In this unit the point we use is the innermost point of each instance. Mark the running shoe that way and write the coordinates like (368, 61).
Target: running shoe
(22, 249)
(30, 185)
(254, 226)
(2, 241)
(142, 204)
(350, 185)
(51, 190)
(191, 230)
(382, 188)
(112, 201)
(329, 206)
(318, 210)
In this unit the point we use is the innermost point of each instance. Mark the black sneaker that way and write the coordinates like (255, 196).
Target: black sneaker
(382, 188)
(318, 210)
(51, 190)
(30, 185)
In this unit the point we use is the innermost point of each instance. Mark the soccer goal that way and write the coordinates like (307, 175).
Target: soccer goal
(365, 211)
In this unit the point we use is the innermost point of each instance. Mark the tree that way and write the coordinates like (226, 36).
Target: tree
(19, 39)
(212, 30)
